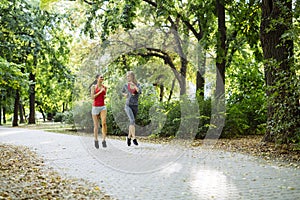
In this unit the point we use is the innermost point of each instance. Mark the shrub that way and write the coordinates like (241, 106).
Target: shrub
(68, 117)
(58, 117)
(245, 115)
(204, 118)
(82, 115)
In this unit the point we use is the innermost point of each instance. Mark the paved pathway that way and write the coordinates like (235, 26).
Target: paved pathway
(152, 171)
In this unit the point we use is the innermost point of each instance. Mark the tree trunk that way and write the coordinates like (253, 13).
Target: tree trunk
(24, 113)
(4, 113)
(22, 121)
(278, 52)
(221, 49)
(32, 99)
(16, 109)
(0, 114)
(43, 114)
(172, 89)
(21, 107)
(183, 59)
(161, 92)
(217, 117)
(200, 81)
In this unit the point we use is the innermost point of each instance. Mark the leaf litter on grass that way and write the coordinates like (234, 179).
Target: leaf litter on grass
(283, 155)
(24, 176)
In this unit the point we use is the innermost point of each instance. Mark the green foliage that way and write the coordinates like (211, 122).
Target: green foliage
(285, 107)
(11, 76)
(68, 117)
(112, 126)
(58, 117)
(245, 117)
(44, 4)
(171, 126)
(205, 116)
(279, 43)
(82, 115)
(246, 108)
(33, 41)
(242, 28)
(11, 79)
(65, 117)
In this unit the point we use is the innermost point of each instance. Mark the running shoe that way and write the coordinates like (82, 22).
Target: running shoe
(128, 141)
(96, 144)
(135, 142)
(104, 144)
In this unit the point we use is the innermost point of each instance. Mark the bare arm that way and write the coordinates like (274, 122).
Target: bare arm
(93, 95)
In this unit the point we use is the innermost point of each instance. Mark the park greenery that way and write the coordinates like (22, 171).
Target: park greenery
(240, 58)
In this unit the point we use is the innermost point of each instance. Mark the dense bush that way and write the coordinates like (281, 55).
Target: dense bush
(173, 120)
(116, 118)
(285, 109)
(244, 116)
(82, 115)
(58, 117)
(204, 118)
(68, 117)
(246, 100)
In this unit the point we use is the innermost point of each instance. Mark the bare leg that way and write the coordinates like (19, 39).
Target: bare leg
(96, 124)
(104, 125)
(131, 131)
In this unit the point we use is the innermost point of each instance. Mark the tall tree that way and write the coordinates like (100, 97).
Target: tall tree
(181, 18)
(12, 81)
(30, 36)
(283, 107)
(221, 49)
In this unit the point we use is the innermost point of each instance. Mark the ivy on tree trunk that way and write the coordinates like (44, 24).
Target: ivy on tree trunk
(282, 111)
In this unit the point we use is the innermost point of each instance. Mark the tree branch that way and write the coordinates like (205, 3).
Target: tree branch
(88, 2)
(151, 3)
(186, 22)
(152, 52)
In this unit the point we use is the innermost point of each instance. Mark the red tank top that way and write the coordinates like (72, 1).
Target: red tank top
(99, 100)
(132, 91)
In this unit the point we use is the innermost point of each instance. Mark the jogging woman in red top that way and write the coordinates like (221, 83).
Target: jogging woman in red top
(98, 93)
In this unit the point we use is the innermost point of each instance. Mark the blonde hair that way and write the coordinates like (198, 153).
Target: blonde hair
(133, 76)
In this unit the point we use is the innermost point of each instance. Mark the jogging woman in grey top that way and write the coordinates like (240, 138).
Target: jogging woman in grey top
(131, 90)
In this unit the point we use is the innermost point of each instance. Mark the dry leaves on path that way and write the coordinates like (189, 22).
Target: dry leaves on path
(24, 176)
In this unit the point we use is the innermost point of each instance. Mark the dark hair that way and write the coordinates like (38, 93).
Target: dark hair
(95, 81)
